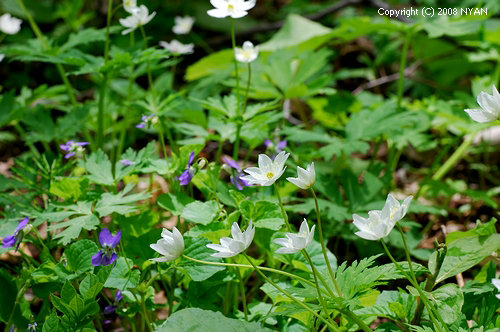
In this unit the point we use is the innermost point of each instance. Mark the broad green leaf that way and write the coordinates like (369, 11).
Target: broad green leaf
(90, 287)
(79, 256)
(211, 64)
(464, 253)
(121, 277)
(449, 299)
(85, 220)
(8, 295)
(195, 319)
(200, 212)
(99, 168)
(174, 203)
(120, 203)
(197, 248)
(89, 35)
(295, 31)
(52, 324)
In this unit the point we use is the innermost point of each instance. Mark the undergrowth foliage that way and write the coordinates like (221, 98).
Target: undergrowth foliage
(334, 175)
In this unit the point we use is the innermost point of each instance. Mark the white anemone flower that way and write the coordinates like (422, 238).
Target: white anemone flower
(233, 8)
(246, 54)
(496, 283)
(10, 25)
(305, 177)
(170, 246)
(177, 47)
(490, 107)
(231, 247)
(140, 16)
(130, 6)
(380, 223)
(183, 25)
(268, 171)
(296, 242)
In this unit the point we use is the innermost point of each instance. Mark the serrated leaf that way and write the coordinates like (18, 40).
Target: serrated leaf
(99, 168)
(195, 319)
(72, 228)
(79, 256)
(119, 203)
(174, 203)
(121, 277)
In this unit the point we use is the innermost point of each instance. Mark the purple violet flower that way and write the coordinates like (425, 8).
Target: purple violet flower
(112, 308)
(147, 121)
(126, 162)
(236, 177)
(72, 148)
(11, 240)
(109, 242)
(280, 146)
(188, 174)
(32, 327)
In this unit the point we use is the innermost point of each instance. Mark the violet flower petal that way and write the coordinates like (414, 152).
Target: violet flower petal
(97, 258)
(9, 241)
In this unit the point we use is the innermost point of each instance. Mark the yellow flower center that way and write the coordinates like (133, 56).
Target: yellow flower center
(230, 7)
(393, 212)
(270, 175)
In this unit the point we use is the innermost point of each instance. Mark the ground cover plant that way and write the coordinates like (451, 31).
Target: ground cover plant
(232, 165)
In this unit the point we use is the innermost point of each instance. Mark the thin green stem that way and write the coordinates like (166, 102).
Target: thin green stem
(240, 111)
(454, 158)
(263, 268)
(108, 25)
(283, 212)
(402, 66)
(247, 89)
(150, 78)
(323, 246)
(20, 293)
(45, 45)
(357, 320)
(314, 272)
(242, 292)
(417, 287)
(291, 297)
(407, 252)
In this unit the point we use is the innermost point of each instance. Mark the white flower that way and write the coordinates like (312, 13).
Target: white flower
(10, 25)
(246, 54)
(296, 242)
(130, 5)
(490, 107)
(268, 171)
(140, 16)
(380, 223)
(306, 177)
(233, 8)
(183, 25)
(231, 247)
(496, 283)
(177, 47)
(171, 245)
(2, 56)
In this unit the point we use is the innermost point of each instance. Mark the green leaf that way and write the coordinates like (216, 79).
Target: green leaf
(89, 35)
(99, 168)
(52, 324)
(90, 287)
(297, 30)
(79, 256)
(121, 277)
(8, 295)
(464, 253)
(73, 227)
(174, 203)
(195, 319)
(119, 203)
(197, 248)
(215, 62)
(449, 299)
(69, 188)
(200, 212)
